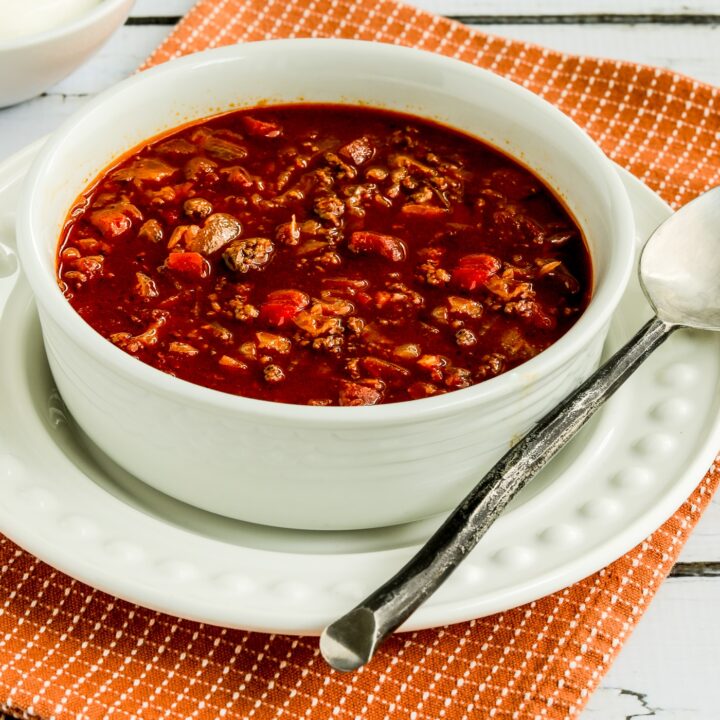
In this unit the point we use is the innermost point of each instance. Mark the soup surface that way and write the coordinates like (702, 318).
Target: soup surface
(324, 255)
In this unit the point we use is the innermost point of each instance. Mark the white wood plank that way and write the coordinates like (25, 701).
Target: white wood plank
(569, 7)
(161, 8)
(704, 543)
(668, 669)
(164, 8)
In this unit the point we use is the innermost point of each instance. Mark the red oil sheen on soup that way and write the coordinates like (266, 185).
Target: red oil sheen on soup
(324, 255)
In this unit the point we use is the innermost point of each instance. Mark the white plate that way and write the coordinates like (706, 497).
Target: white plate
(628, 471)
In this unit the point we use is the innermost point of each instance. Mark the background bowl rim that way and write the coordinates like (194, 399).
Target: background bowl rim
(83, 22)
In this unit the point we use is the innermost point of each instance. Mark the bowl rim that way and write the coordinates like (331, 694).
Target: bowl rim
(603, 302)
(83, 22)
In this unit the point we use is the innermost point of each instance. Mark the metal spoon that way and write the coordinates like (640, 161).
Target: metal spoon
(680, 276)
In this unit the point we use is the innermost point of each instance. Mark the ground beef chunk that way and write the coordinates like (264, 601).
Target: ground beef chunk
(248, 254)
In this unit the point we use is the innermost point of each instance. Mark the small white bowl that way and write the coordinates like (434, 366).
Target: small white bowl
(33, 63)
(291, 465)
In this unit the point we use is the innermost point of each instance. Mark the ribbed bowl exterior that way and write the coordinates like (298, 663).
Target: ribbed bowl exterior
(249, 467)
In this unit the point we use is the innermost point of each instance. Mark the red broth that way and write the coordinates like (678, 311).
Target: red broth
(324, 255)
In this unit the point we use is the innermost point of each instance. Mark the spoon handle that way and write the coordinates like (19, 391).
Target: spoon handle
(351, 641)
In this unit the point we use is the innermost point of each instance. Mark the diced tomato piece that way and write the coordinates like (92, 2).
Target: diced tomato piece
(435, 365)
(387, 246)
(475, 270)
(359, 151)
(423, 211)
(281, 306)
(468, 278)
(91, 265)
(260, 128)
(110, 222)
(540, 319)
(364, 298)
(189, 263)
(277, 314)
(353, 394)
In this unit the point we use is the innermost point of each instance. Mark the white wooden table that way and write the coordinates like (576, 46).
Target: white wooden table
(670, 667)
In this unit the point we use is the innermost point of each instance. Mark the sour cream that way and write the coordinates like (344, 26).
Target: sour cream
(22, 18)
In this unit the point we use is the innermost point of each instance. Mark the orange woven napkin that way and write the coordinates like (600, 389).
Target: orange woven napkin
(68, 651)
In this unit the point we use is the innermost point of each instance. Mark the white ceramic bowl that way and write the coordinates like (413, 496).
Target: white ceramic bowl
(298, 466)
(33, 63)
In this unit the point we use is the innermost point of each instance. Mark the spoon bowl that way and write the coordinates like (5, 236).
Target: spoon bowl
(680, 265)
